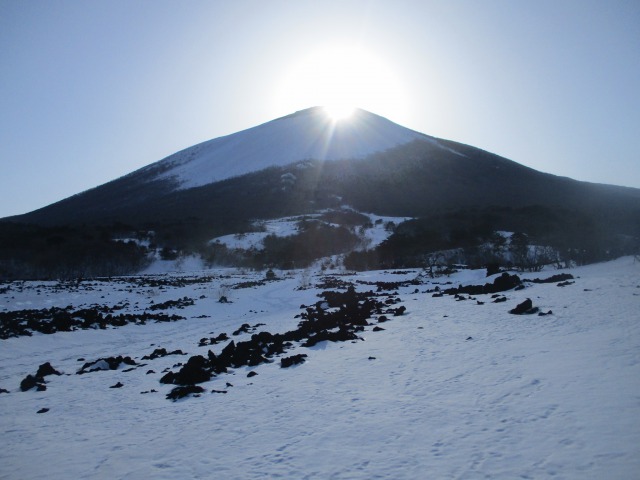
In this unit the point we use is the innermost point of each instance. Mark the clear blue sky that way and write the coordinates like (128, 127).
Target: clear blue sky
(92, 90)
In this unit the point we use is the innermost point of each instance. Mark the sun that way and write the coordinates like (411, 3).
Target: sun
(342, 78)
(339, 112)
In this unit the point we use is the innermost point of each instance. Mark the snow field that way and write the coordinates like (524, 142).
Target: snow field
(451, 389)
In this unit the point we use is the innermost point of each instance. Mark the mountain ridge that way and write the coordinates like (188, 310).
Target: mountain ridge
(459, 194)
(441, 172)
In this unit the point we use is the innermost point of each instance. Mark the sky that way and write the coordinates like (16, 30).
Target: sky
(91, 91)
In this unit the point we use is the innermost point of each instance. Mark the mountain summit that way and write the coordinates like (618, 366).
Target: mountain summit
(305, 135)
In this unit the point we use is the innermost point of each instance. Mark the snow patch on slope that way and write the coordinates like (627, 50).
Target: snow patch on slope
(372, 236)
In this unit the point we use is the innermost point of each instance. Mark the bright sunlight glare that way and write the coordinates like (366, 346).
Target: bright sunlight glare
(341, 78)
(339, 112)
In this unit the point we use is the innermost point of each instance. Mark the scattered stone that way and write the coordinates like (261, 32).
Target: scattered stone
(213, 340)
(117, 385)
(251, 374)
(195, 371)
(561, 277)
(502, 283)
(180, 304)
(218, 391)
(377, 329)
(162, 352)
(31, 381)
(43, 410)
(524, 308)
(243, 329)
(372, 358)
(108, 363)
(292, 360)
(2, 390)
(183, 391)
(46, 369)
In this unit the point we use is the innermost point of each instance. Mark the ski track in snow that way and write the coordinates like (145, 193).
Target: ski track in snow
(527, 396)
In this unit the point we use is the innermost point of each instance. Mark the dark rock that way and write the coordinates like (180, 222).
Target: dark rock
(162, 352)
(243, 329)
(183, 391)
(292, 360)
(31, 381)
(43, 410)
(117, 385)
(524, 308)
(2, 390)
(251, 374)
(46, 369)
(500, 284)
(195, 371)
(561, 277)
(377, 329)
(108, 363)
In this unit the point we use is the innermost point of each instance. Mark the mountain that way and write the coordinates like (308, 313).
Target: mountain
(305, 162)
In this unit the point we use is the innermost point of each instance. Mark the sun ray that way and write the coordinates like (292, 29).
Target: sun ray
(342, 78)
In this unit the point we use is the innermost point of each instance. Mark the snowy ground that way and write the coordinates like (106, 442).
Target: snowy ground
(284, 227)
(451, 389)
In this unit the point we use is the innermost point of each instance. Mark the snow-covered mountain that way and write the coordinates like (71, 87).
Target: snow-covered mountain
(306, 135)
(366, 161)
(303, 164)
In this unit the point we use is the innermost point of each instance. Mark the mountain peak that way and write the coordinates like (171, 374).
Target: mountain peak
(309, 134)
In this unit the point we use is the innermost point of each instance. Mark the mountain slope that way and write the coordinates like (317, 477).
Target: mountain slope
(304, 161)
(305, 135)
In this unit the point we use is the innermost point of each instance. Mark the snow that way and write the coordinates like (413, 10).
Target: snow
(283, 227)
(455, 389)
(305, 135)
(280, 227)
